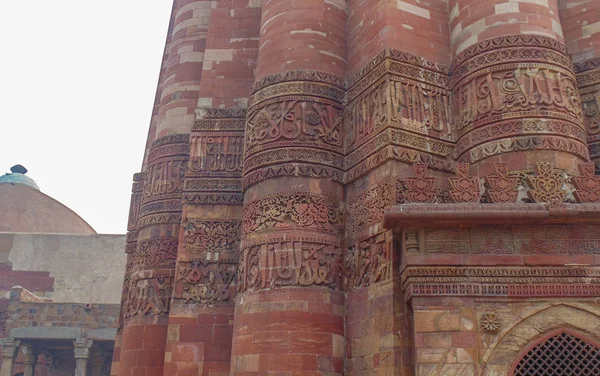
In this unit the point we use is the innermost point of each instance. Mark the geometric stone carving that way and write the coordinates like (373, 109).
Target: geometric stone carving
(562, 354)
(419, 188)
(490, 322)
(502, 188)
(466, 189)
(587, 185)
(546, 187)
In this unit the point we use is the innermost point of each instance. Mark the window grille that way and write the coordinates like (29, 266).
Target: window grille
(561, 355)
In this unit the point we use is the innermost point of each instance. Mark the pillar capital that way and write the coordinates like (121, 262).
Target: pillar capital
(10, 347)
(82, 348)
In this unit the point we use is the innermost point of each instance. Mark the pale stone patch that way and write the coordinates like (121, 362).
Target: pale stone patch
(557, 28)
(207, 65)
(176, 112)
(332, 55)
(538, 2)
(241, 102)
(219, 55)
(194, 5)
(269, 20)
(456, 31)
(254, 4)
(185, 48)
(308, 31)
(205, 102)
(591, 29)
(340, 4)
(191, 57)
(467, 43)
(235, 40)
(454, 12)
(410, 8)
(407, 27)
(506, 8)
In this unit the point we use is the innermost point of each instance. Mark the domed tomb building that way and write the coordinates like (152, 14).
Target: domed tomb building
(60, 282)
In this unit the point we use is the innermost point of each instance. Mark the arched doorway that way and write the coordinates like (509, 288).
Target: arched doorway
(561, 353)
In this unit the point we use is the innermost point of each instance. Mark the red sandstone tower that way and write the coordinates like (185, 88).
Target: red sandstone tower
(341, 187)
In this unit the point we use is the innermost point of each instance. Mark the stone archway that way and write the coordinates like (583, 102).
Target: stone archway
(540, 326)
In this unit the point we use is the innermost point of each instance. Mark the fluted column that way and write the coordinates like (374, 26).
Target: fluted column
(515, 93)
(145, 317)
(289, 308)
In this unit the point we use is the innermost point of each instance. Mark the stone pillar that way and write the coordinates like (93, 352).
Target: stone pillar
(201, 316)
(82, 355)
(10, 347)
(153, 269)
(29, 359)
(183, 70)
(515, 93)
(289, 308)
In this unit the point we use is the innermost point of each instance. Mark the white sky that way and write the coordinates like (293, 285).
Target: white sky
(78, 79)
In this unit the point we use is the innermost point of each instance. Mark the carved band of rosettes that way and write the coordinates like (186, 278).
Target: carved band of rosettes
(292, 211)
(290, 262)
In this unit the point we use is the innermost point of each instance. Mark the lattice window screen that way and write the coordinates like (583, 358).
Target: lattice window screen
(561, 355)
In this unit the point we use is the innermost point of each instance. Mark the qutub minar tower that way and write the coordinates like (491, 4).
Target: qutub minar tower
(369, 187)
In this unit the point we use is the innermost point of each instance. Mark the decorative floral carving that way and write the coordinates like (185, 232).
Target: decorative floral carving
(292, 210)
(587, 185)
(290, 263)
(155, 253)
(218, 236)
(502, 188)
(420, 189)
(547, 186)
(465, 189)
(490, 322)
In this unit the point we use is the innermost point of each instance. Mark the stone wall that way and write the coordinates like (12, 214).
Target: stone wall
(85, 268)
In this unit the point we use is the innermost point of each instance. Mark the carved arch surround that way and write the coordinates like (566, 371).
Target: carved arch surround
(578, 320)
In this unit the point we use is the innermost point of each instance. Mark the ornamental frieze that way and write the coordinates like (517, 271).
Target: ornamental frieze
(292, 169)
(291, 156)
(518, 128)
(298, 88)
(290, 263)
(201, 282)
(212, 185)
(367, 209)
(164, 178)
(216, 153)
(295, 210)
(155, 254)
(211, 236)
(295, 122)
(149, 295)
(539, 142)
(213, 198)
(515, 92)
(368, 261)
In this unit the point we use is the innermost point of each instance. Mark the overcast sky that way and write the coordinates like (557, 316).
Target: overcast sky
(78, 82)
